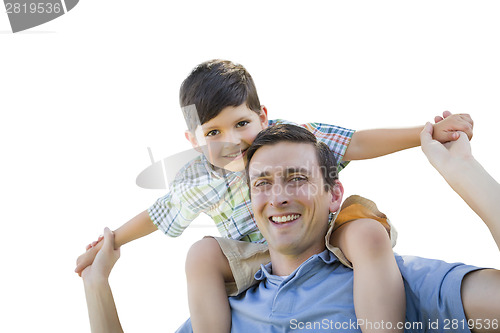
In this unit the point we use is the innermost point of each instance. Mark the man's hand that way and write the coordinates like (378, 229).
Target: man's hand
(442, 156)
(104, 260)
(448, 126)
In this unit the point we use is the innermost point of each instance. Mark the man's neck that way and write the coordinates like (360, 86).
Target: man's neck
(284, 264)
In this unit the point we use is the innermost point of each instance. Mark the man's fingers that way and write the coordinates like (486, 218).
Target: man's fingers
(109, 239)
(426, 134)
(451, 136)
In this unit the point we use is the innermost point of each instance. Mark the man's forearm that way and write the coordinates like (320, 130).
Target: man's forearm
(373, 143)
(101, 307)
(137, 227)
(478, 189)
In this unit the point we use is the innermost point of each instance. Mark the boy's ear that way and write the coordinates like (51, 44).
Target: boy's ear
(192, 140)
(263, 117)
(337, 193)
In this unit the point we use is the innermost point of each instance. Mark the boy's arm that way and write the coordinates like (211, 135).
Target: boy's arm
(137, 227)
(373, 143)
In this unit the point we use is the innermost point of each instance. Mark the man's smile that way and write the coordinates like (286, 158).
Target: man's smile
(284, 218)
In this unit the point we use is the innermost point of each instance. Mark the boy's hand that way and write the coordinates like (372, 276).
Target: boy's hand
(88, 257)
(448, 126)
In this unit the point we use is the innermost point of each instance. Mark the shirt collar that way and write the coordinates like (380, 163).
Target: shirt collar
(325, 257)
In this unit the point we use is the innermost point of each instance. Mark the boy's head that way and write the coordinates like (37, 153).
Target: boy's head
(222, 111)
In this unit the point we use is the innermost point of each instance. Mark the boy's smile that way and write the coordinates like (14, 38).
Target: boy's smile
(225, 138)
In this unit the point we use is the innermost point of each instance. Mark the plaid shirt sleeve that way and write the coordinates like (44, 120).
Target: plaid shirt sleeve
(191, 193)
(335, 137)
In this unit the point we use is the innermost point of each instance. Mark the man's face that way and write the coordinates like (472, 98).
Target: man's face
(225, 138)
(289, 200)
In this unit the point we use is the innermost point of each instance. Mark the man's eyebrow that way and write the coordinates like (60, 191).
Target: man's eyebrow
(292, 170)
(287, 171)
(260, 175)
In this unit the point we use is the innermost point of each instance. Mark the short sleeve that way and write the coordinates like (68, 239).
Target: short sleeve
(191, 193)
(433, 294)
(186, 327)
(335, 137)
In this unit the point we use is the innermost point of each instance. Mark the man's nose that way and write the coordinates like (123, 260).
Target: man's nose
(279, 197)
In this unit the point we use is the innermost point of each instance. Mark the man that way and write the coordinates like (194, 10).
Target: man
(304, 288)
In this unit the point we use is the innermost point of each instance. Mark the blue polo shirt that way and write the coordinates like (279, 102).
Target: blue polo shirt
(318, 297)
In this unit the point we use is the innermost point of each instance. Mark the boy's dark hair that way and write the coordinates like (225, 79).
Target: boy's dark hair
(214, 85)
(292, 133)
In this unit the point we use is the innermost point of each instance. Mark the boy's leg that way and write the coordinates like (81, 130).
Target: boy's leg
(209, 268)
(207, 271)
(379, 296)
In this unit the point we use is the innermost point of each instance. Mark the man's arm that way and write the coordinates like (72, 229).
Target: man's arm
(137, 227)
(454, 161)
(100, 303)
(373, 143)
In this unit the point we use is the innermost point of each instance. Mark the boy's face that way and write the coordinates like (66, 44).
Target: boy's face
(225, 139)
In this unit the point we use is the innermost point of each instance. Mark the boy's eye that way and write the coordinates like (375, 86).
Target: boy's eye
(212, 133)
(242, 123)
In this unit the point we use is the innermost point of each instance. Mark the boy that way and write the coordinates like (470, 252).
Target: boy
(228, 117)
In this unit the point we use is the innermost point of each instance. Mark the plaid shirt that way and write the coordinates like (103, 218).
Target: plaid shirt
(224, 195)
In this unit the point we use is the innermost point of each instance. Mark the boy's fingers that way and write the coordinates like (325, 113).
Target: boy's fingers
(437, 119)
(446, 114)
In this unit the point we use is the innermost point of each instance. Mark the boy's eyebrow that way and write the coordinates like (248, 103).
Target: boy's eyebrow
(216, 126)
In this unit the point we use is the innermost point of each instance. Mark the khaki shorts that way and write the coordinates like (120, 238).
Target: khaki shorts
(245, 258)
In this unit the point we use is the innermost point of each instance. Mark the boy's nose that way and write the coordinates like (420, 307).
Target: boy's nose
(232, 138)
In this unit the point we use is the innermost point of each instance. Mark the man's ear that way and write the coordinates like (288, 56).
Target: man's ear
(192, 140)
(337, 193)
(264, 122)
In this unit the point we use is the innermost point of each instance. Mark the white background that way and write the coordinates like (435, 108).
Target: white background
(83, 96)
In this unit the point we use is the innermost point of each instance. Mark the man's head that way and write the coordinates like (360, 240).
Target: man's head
(293, 186)
(223, 112)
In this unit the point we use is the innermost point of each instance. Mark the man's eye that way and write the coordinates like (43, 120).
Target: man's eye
(242, 123)
(212, 133)
(261, 183)
(298, 178)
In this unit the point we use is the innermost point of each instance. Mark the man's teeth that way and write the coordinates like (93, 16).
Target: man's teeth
(287, 218)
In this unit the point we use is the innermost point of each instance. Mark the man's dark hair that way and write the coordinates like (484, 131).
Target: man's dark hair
(214, 85)
(292, 133)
